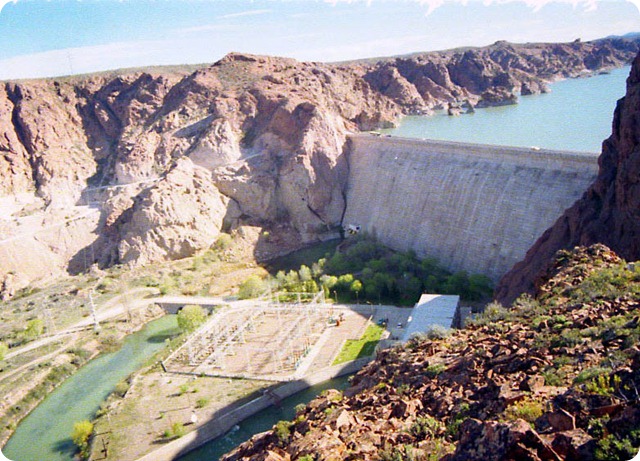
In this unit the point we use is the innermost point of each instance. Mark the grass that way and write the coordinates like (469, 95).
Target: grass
(354, 349)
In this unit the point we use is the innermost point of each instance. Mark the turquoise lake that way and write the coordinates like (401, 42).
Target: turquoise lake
(576, 115)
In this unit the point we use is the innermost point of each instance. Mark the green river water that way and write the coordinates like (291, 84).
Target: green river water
(45, 435)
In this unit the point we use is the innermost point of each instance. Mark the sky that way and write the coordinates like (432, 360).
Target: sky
(43, 38)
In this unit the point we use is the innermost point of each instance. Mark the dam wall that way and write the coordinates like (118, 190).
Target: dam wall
(473, 207)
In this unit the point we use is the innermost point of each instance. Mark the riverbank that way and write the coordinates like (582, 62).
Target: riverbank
(226, 420)
(158, 407)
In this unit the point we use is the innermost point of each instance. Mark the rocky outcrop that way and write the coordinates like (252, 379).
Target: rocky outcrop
(266, 135)
(538, 382)
(609, 211)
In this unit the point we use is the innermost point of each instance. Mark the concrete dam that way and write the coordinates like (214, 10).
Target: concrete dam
(476, 208)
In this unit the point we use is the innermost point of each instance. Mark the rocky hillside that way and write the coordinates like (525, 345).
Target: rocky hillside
(609, 211)
(167, 160)
(555, 378)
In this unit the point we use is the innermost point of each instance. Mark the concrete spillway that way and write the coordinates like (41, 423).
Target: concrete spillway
(473, 207)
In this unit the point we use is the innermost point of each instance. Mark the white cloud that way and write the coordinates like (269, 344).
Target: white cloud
(245, 13)
(4, 2)
(536, 5)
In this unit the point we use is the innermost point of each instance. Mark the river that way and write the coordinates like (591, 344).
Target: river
(260, 422)
(46, 433)
(576, 115)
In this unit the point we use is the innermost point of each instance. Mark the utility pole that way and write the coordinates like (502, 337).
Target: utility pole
(96, 325)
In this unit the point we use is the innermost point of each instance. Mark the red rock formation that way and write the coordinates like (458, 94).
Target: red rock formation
(609, 211)
(269, 133)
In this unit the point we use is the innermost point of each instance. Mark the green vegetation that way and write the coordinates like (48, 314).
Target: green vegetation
(526, 409)
(253, 287)
(426, 427)
(3, 351)
(282, 430)
(362, 269)
(202, 402)
(363, 347)
(82, 430)
(191, 317)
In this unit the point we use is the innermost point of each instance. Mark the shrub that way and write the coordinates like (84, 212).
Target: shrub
(121, 388)
(425, 427)
(526, 409)
(191, 317)
(434, 370)
(253, 287)
(223, 241)
(82, 430)
(614, 448)
(178, 429)
(603, 385)
(589, 374)
(202, 402)
(437, 332)
(33, 329)
(282, 430)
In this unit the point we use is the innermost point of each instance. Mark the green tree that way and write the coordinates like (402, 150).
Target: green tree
(253, 287)
(356, 287)
(191, 317)
(305, 273)
(82, 430)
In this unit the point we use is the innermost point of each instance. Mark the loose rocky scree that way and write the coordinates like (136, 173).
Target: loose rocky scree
(554, 378)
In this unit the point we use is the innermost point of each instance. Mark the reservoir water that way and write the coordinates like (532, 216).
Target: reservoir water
(46, 433)
(576, 115)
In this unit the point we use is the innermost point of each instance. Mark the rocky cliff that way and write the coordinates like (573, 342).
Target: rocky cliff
(170, 159)
(555, 378)
(608, 212)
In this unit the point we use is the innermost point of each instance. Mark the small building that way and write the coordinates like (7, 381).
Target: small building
(431, 310)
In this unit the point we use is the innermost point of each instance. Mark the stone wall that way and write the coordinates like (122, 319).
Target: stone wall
(473, 207)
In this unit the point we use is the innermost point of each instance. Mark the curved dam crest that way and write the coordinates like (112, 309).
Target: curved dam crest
(476, 208)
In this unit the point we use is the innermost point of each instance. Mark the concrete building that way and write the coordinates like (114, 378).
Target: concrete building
(431, 310)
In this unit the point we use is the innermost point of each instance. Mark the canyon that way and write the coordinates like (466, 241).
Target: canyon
(146, 166)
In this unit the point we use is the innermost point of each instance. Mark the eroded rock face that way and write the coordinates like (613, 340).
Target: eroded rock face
(266, 135)
(609, 211)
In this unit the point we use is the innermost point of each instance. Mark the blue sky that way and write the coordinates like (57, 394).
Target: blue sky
(60, 37)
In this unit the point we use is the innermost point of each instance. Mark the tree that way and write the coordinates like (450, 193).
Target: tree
(356, 287)
(82, 430)
(253, 287)
(304, 273)
(191, 317)
(3, 351)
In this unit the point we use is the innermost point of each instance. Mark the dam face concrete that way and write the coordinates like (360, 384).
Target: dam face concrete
(473, 207)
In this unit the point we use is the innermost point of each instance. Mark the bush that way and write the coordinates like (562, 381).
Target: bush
(202, 402)
(121, 389)
(425, 427)
(191, 317)
(178, 429)
(527, 409)
(253, 287)
(223, 242)
(82, 430)
(282, 431)
(33, 329)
